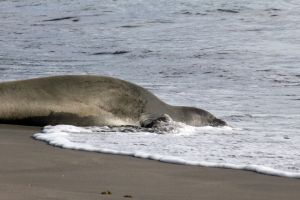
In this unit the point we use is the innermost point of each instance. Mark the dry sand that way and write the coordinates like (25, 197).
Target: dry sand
(30, 169)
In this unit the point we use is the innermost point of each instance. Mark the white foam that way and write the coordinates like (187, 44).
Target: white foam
(207, 146)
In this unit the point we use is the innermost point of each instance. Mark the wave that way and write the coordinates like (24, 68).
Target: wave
(205, 146)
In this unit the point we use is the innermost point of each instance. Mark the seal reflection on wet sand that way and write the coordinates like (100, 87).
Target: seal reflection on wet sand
(90, 100)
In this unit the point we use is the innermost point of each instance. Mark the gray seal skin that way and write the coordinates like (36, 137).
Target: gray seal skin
(88, 101)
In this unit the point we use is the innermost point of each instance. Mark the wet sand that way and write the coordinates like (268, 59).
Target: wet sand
(30, 169)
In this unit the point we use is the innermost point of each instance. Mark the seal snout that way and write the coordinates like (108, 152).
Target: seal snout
(218, 122)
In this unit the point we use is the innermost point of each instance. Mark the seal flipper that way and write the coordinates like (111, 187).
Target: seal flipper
(151, 120)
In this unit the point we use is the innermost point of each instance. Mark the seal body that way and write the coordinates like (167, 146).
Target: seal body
(89, 100)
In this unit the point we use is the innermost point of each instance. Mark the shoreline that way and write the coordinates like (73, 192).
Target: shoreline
(32, 169)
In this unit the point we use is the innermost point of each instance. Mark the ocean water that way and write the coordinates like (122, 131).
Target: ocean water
(238, 59)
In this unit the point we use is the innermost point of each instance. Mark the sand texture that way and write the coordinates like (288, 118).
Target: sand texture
(30, 169)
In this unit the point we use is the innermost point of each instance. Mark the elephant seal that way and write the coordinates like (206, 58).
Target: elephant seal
(90, 100)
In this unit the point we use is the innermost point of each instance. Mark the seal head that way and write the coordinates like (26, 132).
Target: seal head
(195, 116)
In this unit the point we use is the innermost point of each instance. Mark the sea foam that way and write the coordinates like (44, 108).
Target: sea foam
(224, 147)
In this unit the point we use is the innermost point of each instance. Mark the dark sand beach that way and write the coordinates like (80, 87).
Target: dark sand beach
(31, 169)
